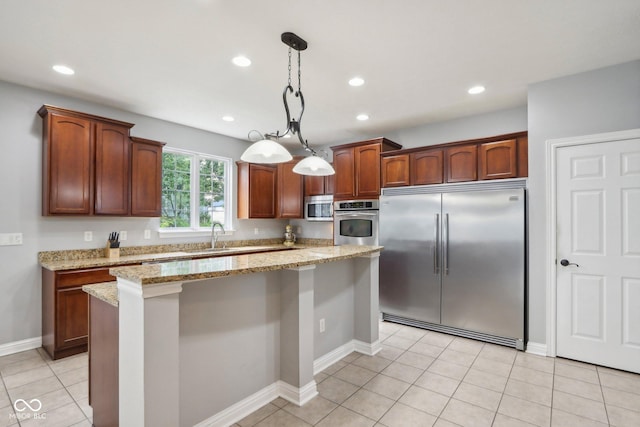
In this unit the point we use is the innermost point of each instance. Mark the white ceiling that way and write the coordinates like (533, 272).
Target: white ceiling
(171, 59)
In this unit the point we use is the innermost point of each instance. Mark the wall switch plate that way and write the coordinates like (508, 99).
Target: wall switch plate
(123, 235)
(322, 325)
(10, 239)
(147, 234)
(88, 236)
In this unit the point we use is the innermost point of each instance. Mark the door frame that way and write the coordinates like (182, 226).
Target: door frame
(552, 145)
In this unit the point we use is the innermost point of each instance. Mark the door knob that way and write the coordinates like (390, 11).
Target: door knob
(565, 262)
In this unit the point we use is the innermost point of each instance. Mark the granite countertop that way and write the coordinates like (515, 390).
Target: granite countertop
(207, 268)
(72, 264)
(107, 292)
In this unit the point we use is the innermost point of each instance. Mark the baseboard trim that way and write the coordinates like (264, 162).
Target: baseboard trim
(18, 346)
(323, 362)
(295, 395)
(537, 348)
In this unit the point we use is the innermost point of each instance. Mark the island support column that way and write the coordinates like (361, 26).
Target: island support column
(296, 335)
(366, 314)
(149, 382)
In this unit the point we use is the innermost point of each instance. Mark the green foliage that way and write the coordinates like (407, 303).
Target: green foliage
(176, 191)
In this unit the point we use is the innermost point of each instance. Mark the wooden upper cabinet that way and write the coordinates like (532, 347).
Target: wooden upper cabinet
(290, 190)
(367, 177)
(497, 160)
(395, 170)
(461, 163)
(146, 177)
(85, 165)
(318, 185)
(112, 169)
(357, 167)
(256, 190)
(523, 155)
(344, 182)
(67, 176)
(427, 167)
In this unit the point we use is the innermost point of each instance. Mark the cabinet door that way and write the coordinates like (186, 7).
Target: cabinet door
(523, 155)
(344, 183)
(314, 185)
(112, 169)
(367, 165)
(262, 191)
(329, 181)
(427, 167)
(290, 190)
(68, 162)
(395, 170)
(146, 179)
(497, 160)
(462, 163)
(72, 314)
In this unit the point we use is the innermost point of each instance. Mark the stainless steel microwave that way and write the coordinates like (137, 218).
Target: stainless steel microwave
(318, 208)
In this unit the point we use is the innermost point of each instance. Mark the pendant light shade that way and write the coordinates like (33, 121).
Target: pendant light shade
(266, 151)
(313, 165)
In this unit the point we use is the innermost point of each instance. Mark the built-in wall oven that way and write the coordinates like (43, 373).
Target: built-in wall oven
(355, 222)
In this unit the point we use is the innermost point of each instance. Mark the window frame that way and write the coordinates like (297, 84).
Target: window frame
(194, 179)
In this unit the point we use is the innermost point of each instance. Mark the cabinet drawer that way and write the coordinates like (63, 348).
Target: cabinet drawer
(65, 279)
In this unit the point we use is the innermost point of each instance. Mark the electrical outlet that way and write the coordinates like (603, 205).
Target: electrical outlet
(123, 235)
(147, 234)
(88, 236)
(10, 239)
(256, 230)
(299, 230)
(322, 325)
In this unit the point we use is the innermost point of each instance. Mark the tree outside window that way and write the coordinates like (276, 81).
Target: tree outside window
(194, 190)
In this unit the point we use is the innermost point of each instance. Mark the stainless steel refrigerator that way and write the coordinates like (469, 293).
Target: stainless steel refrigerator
(454, 259)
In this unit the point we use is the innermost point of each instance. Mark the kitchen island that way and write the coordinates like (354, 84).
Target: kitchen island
(207, 341)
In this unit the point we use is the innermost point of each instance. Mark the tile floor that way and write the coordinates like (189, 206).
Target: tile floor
(60, 386)
(420, 378)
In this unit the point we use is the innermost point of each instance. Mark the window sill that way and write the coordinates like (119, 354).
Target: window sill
(170, 234)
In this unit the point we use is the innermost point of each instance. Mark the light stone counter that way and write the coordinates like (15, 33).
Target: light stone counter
(221, 266)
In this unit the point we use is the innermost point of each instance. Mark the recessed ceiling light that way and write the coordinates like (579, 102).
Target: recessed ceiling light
(241, 61)
(228, 118)
(356, 81)
(476, 90)
(362, 117)
(63, 69)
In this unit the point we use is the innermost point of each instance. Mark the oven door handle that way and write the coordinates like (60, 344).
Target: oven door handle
(355, 214)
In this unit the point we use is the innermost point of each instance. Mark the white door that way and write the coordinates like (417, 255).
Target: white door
(598, 228)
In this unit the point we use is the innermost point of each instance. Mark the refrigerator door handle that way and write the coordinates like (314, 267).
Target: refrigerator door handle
(436, 246)
(445, 243)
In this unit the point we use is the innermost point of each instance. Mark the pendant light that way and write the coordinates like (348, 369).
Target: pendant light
(267, 149)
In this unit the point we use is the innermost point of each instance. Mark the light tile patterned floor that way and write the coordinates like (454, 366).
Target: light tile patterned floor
(60, 387)
(423, 378)
(420, 378)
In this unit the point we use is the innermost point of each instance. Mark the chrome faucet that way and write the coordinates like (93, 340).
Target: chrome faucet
(214, 236)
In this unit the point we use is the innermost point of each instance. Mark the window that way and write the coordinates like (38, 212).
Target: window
(195, 190)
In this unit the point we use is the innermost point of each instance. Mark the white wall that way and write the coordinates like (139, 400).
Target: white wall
(602, 100)
(20, 210)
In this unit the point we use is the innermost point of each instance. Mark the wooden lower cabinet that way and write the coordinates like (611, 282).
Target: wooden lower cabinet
(65, 324)
(103, 362)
